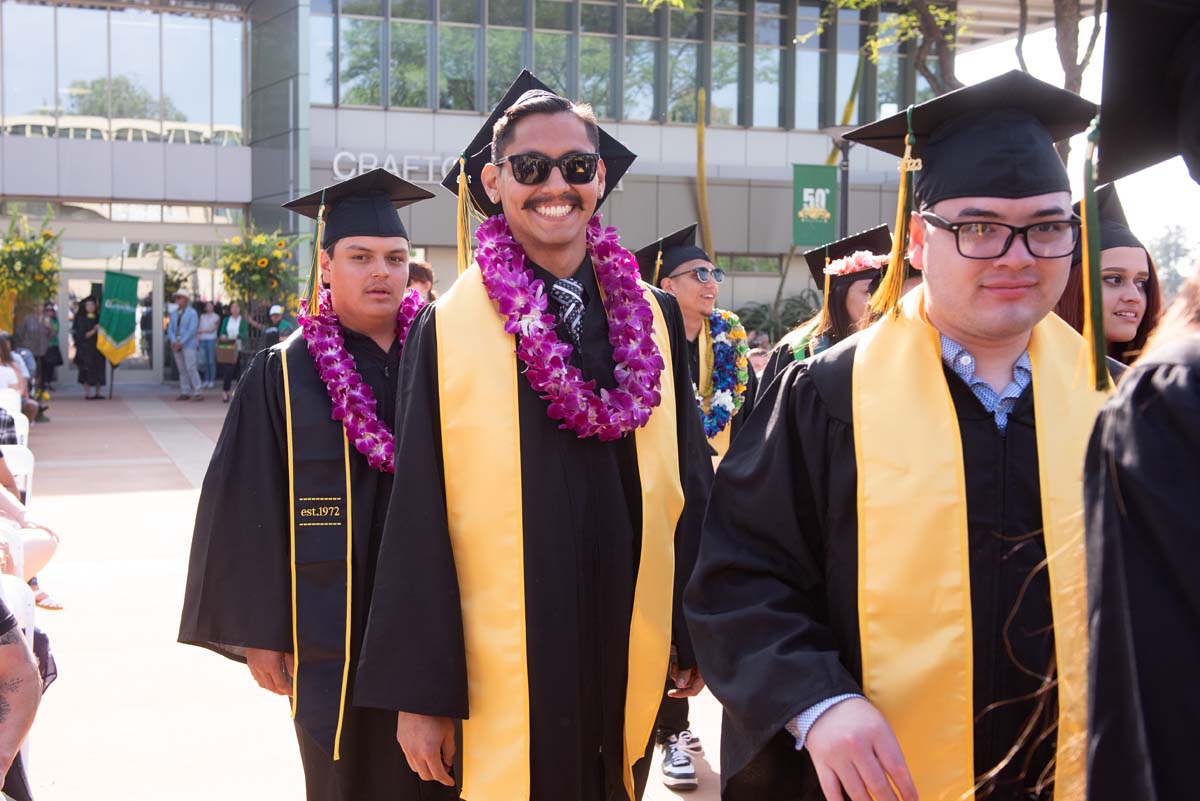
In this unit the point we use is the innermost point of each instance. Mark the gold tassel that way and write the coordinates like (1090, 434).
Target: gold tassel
(314, 276)
(887, 296)
(822, 319)
(658, 267)
(464, 217)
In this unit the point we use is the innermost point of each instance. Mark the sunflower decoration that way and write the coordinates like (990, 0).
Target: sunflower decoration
(29, 261)
(258, 266)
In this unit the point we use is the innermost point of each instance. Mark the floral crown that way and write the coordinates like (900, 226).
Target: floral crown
(856, 262)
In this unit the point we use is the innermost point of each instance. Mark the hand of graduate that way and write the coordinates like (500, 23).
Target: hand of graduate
(428, 744)
(854, 750)
(271, 669)
(688, 682)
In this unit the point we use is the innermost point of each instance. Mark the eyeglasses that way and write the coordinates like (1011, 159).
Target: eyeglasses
(703, 274)
(532, 168)
(990, 240)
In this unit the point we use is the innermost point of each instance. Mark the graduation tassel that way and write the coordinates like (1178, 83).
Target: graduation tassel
(1093, 305)
(822, 319)
(887, 296)
(658, 266)
(314, 275)
(464, 216)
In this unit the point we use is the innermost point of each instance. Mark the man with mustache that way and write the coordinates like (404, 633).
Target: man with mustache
(546, 408)
(889, 598)
(287, 530)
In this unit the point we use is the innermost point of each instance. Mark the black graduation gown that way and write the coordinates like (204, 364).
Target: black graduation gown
(773, 605)
(1143, 528)
(239, 579)
(89, 361)
(748, 399)
(581, 513)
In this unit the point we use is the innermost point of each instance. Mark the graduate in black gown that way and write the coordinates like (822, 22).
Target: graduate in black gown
(846, 285)
(292, 507)
(872, 598)
(1143, 463)
(528, 591)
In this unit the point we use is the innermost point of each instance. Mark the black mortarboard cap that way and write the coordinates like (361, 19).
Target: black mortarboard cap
(365, 205)
(1114, 226)
(877, 240)
(1150, 105)
(992, 139)
(617, 157)
(659, 259)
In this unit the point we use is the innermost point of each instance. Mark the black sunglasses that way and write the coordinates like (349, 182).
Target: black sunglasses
(703, 274)
(533, 168)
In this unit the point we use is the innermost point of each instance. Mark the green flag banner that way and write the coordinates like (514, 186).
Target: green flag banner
(118, 317)
(815, 195)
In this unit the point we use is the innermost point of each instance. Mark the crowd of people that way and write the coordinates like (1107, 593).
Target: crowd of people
(940, 548)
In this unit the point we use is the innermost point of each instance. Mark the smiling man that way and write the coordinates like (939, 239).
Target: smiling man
(547, 412)
(872, 603)
(293, 503)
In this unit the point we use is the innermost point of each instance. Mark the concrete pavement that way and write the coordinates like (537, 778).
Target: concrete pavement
(135, 716)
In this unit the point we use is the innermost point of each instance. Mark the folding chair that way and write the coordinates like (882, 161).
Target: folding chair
(20, 463)
(21, 422)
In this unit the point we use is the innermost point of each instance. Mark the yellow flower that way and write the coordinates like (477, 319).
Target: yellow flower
(289, 254)
(237, 240)
(277, 254)
(5, 248)
(47, 234)
(261, 239)
(47, 263)
(274, 284)
(281, 244)
(262, 262)
(38, 277)
(18, 245)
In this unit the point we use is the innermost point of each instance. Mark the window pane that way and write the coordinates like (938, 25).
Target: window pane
(640, 22)
(728, 27)
(554, 15)
(599, 19)
(768, 30)
(411, 9)
(551, 59)
(82, 71)
(457, 50)
(888, 82)
(504, 61)
(187, 79)
(227, 81)
(134, 93)
(367, 8)
(769, 7)
(726, 76)
(730, 5)
(808, 18)
(681, 102)
(410, 64)
(320, 59)
(686, 25)
(597, 57)
(766, 86)
(507, 12)
(808, 89)
(924, 90)
(641, 65)
(362, 42)
(28, 53)
(848, 66)
(848, 28)
(460, 11)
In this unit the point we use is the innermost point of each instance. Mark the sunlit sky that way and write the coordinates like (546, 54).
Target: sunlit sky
(1154, 198)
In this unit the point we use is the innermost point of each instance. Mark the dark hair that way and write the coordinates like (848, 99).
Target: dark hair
(6, 354)
(540, 102)
(838, 324)
(420, 271)
(1070, 308)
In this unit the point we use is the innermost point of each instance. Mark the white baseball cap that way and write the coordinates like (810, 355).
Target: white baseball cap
(276, 309)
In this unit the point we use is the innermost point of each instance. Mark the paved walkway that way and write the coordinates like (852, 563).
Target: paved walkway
(134, 716)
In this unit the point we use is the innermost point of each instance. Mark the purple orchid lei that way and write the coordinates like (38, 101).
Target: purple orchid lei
(522, 301)
(353, 400)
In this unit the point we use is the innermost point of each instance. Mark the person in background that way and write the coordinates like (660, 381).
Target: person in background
(47, 370)
(758, 360)
(420, 278)
(182, 333)
(279, 328)
(13, 377)
(233, 331)
(20, 694)
(34, 334)
(207, 337)
(1131, 294)
(85, 328)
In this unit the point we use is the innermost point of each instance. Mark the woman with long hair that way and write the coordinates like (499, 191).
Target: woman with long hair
(89, 360)
(11, 377)
(1131, 295)
(420, 277)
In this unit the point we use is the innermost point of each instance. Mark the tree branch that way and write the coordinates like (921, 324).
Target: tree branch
(1022, 27)
(1091, 47)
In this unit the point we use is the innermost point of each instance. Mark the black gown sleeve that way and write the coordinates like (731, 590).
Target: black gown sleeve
(744, 413)
(414, 656)
(238, 591)
(756, 605)
(1143, 598)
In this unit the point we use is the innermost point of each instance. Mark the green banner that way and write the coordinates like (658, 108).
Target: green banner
(814, 198)
(118, 317)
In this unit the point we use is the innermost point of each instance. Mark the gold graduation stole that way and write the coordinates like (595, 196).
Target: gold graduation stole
(481, 450)
(914, 590)
(720, 441)
(322, 551)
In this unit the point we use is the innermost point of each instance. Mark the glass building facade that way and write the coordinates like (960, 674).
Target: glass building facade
(764, 63)
(132, 73)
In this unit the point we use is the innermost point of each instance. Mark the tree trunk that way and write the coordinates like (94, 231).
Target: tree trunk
(937, 39)
(1067, 16)
(1022, 27)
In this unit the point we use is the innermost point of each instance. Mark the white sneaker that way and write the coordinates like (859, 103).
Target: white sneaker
(678, 772)
(690, 743)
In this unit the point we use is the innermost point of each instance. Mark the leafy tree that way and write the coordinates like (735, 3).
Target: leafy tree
(360, 69)
(125, 97)
(1172, 252)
